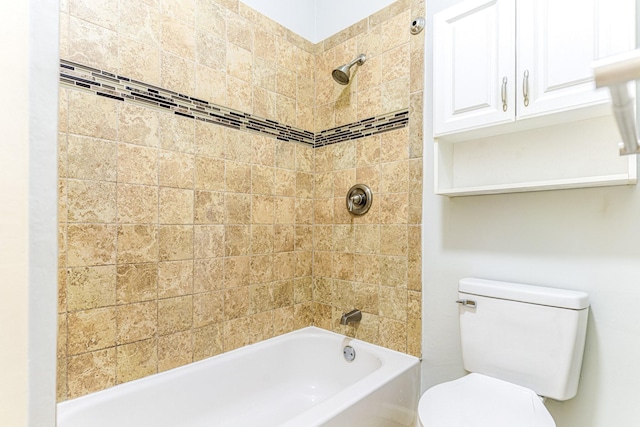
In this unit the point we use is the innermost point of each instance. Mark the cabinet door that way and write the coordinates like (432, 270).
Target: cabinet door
(474, 57)
(558, 40)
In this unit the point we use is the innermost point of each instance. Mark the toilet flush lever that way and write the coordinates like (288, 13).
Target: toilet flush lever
(467, 303)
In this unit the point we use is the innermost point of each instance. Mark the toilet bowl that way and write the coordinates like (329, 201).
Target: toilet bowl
(477, 400)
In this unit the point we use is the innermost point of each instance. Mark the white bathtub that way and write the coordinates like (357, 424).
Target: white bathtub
(300, 379)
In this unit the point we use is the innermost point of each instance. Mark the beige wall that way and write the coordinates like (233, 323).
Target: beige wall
(14, 214)
(182, 239)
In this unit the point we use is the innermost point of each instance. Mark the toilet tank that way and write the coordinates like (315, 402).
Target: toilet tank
(528, 335)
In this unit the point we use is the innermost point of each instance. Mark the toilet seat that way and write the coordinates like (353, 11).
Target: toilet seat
(477, 400)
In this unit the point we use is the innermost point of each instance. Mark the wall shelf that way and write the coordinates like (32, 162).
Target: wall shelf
(570, 155)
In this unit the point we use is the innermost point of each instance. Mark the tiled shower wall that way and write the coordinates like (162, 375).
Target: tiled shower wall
(181, 239)
(372, 262)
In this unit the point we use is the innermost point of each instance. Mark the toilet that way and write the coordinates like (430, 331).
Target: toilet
(520, 344)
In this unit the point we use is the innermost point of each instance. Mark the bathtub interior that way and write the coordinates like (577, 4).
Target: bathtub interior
(266, 384)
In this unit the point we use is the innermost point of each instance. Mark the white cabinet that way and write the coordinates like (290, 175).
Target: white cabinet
(474, 57)
(557, 41)
(515, 105)
(500, 61)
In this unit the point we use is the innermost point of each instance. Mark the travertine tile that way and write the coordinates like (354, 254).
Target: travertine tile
(177, 133)
(304, 263)
(393, 240)
(140, 22)
(236, 303)
(136, 321)
(209, 207)
(177, 73)
(263, 149)
(284, 210)
(140, 61)
(208, 308)
(90, 201)
(302, 290)
(208, 241)
(89, 158)
(101, 12)
(139, 125)
(262, 238)
(394, 31)
(239, 94)
(176, 206)
(262, 210)
(137, 243)
(91, 287)
(175, 278)
(236, 271)
(260, 298)
(90, 244)
(91, 330)
(283, 238)
(211, 51)
(210, 17)
(395, 177)
(178, 37)
(209, 174)
(237, 240)
(237, 177)
(261, 269)
(175, 314)
(208, 274)
(236, 333)
(175, 242)
(240, 31)
(92, 45)
(211, 85)
(136, 360)
(91, 372)
(176, 169)
(175, 350)
(393, 334)
(207, 341)
(137, 204)
(263, 180)
(210, 140)
(137, 165)
(136, 282)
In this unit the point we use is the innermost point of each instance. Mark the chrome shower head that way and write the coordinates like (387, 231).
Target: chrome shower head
(342, 73)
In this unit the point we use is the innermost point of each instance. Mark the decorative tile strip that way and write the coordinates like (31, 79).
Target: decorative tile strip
(121, 88)
(363, 128)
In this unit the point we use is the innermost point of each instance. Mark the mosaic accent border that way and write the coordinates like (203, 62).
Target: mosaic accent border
(121, 88)
(363, 128)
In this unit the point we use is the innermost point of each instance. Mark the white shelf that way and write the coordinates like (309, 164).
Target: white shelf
(570, 155)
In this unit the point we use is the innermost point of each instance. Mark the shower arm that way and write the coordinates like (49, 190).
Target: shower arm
(359, 60)
(615, 73)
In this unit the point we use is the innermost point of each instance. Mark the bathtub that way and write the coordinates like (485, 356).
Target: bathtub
(300, 379)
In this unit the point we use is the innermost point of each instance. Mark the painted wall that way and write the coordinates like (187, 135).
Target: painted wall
(27, 214)
(576, 239)
(316, 20)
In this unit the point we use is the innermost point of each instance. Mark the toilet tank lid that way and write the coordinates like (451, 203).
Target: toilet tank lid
(563, 298)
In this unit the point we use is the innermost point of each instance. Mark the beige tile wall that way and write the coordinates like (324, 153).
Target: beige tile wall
(371, 262)
(180, 239)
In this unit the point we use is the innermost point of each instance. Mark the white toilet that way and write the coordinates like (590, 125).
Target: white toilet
(519, 342)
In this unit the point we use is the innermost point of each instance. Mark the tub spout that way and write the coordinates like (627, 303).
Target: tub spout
(352, 316)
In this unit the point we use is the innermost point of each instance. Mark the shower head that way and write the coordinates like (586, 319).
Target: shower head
(342, 73)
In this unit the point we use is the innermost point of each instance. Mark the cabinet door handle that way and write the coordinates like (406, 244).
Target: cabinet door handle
(525, 88)
(504, 94)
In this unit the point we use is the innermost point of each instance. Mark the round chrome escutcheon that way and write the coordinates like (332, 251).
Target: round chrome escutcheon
(349, 353)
